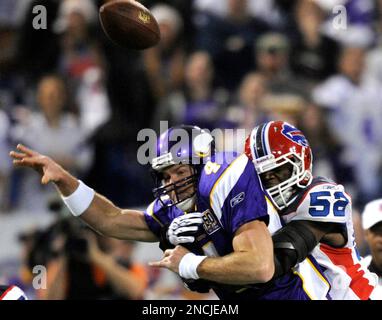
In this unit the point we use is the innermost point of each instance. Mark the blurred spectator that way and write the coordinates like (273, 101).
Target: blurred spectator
(257, 104)
(353, 108)
(313, 55)
(374, 56)
(8, 44)
(229, 39)
(247, 111)
(11, 12)
(73, 15)
(78, 50)
(324, 146)
(270, 11)
(359, 233)
(83, 265)
(274, 12)
(93, 102)
(37, 50)
(5, 163)
(55, 132)
(379, 18)
(283, 107)
(82, 63)
(164, 62)
(374, 64)
(209, 6)
(244, 113)
(186, 10)
(272, 59)
(198, 103)
(357, 17)
(12, 89)
(372, 224)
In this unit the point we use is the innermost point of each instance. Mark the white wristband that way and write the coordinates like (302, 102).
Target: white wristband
(188, 265)
(80, 199)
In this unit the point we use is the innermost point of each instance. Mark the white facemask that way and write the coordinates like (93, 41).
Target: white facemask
(282, 200)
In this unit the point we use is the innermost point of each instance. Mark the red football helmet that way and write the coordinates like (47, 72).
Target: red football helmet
(277, 143)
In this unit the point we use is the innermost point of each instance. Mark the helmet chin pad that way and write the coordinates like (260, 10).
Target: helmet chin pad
(281, 198)
(187, 204)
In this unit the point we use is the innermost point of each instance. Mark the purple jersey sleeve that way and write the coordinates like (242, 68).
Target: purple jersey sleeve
(157, 216)
(246, 201)
(154, 218)
(236, 196)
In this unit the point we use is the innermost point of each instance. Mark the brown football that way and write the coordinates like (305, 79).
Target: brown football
(129, 24)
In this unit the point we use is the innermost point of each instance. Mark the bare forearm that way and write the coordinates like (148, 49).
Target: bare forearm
(112, 221)
(236, 268)
(106, 218)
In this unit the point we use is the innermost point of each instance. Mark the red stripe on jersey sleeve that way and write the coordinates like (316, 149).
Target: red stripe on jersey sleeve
(5, 292)
(342, 257)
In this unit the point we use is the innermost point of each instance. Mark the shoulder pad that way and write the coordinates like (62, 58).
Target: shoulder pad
(323, 202)
(223, 185)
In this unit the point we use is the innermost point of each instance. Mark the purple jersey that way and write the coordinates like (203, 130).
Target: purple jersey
(230, 195)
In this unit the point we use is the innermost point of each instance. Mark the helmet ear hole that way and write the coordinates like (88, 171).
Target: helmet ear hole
(298, 162)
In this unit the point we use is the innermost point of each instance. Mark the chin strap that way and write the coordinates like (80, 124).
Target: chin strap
(187, 204)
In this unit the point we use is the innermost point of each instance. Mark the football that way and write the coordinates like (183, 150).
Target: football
(129, 24)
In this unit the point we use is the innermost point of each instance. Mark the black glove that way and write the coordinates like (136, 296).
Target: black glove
(164, 243)
(200, 285)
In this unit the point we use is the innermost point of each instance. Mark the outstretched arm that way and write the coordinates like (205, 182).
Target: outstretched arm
(102, 214)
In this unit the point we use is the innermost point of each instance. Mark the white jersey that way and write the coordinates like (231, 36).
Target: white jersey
(377, 293)
(326, 201)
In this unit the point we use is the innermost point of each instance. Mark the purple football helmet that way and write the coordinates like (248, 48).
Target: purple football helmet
(182, 144)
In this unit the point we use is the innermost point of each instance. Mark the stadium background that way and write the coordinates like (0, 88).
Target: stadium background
(68, 92)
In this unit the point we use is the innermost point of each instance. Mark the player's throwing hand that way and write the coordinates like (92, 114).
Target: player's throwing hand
(46, 167)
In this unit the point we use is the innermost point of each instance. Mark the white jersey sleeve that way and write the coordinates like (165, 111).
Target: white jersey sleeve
(325, 202)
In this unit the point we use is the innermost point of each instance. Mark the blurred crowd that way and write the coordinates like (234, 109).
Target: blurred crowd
(68, 92)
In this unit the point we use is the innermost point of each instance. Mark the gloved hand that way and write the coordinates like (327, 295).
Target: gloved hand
(184, 228)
